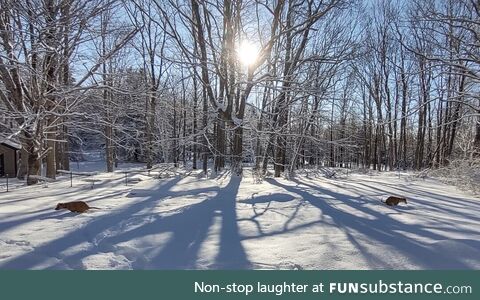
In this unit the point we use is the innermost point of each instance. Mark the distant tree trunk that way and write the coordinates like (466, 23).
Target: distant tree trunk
(476, 140)
(395, 127)
(63, 145)
(342, 131)
(109, 149)
(51, 160)
(332, 147)
(390, 153)
(207, 93)
(205, 132)
(429, 138)
(149, 123)
(108, 127)
(221, 145)
(238, 134)
(281, 112)
(422, 119)
(403, 122)
(438, 134)
(195, 130)
(50, 65)
(184, 125)
(281, 141)
(456, 115)
(443, 151)
(175, 135)
(22, 164)
(32, 147)
(367, 133)
(258, 148)
(237, 150)
(380, 140)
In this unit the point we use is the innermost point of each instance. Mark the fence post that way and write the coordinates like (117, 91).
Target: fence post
(7, 182)
(71, 178)
(126, 179)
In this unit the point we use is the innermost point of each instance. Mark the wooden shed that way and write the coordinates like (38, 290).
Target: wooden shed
(8, 158)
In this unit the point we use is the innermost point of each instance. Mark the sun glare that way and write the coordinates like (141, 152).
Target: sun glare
(247, 53)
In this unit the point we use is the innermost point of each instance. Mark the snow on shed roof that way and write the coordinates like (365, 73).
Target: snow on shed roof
(10, 143)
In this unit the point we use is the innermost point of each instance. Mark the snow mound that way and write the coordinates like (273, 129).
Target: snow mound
(106, 261)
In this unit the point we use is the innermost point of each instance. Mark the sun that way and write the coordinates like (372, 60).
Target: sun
(247, 53)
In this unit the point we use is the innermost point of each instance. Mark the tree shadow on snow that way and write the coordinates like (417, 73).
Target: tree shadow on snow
(188, 228)
(378, 228)
(416, 198)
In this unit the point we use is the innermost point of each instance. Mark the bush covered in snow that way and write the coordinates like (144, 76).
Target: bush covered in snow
(463, 173)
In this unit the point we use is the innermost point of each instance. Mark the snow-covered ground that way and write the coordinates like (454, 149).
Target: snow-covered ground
(309, 222)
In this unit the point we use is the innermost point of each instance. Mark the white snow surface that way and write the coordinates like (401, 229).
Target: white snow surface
(233, 223)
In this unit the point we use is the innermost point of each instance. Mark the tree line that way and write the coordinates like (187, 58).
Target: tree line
(373, 84)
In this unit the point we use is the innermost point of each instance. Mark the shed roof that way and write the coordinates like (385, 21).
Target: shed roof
(11, 144)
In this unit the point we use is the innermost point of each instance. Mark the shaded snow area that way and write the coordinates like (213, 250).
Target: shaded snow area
(234, 223)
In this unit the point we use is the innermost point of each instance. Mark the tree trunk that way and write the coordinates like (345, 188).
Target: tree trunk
(221, 145)
(476, 140)
(194, 131)
(205, 132)
(51, 79)
(237, 151)
(32, 149)
(51, 163)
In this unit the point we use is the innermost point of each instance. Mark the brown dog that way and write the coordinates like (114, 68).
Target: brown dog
(75, 206)
(392, 200)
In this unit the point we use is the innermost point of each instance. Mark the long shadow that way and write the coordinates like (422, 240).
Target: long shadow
(374, 192)
(30, 260)
(32, 197)
(379, 229)
(49, 212)
(414, 195)
(29, 217)
(419, 190)
(231, 254)
(187, 227)
(75, 191)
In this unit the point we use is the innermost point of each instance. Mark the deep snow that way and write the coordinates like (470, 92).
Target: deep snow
(308, 222)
